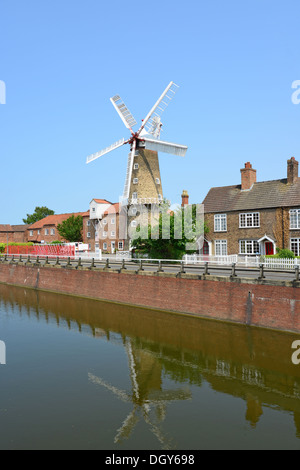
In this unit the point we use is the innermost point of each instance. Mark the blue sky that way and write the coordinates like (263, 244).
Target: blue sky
(61, 61)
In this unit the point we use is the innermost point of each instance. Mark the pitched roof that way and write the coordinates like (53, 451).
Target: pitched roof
(101, 201)
(113, 209)
(262, 195)
(19, 228)
(5, 228)
(54, 220)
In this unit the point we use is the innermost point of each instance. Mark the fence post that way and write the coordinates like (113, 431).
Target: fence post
(79, 263)
(57, 261)
(123, 264)
(297, 272)
(206, 273)
(106, 264)
(261, 272)
(233, 273)
(69, 261)
(160, 269)
(47, 260)
(93, 263)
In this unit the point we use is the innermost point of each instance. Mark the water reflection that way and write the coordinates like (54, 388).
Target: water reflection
(238, 361)
(148, 399)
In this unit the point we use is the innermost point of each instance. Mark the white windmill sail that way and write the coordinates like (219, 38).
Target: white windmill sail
(96, 155)
(150, 121)
(166, 147)
(129, 171)
(123, 111)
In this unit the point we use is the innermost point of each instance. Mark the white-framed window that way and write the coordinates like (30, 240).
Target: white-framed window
(104, 234)
(220, 222)
(134, 196)
(46, 231)
(135, 180)
(88, 223)
(113, 220)
(157, 180)
(160, 197)
(295, 218)
(31, 233)
(88, 234)
(249, 219)
(132, 211)
(39, 232)
(295, 246)
(221, 247)
(93, 209)
(104, 221)
(120, 245)
(136, 166)
(133, 223)
(105, 246)
(90, 246)
(112, 233)
(52, 231)
(249, 247)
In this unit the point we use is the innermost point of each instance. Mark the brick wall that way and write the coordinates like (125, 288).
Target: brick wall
(260, 303)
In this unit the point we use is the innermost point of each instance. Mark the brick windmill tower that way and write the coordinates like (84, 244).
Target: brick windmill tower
(143, 180)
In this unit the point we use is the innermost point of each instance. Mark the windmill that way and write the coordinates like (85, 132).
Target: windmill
(148, 399)
(143, 183)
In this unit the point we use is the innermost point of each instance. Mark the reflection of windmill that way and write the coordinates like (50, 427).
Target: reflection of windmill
(146, 396)
(143, 175)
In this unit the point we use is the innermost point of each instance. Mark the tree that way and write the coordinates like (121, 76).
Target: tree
(71, 229)
(174, 237)
(39, 213)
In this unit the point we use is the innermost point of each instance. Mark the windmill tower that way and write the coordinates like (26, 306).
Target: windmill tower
(143, 180)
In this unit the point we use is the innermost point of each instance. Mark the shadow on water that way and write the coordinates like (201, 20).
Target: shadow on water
(241, 361)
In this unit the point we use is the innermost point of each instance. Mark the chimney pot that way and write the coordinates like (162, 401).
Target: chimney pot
(248, 176)
(292, 170)
(184, 198)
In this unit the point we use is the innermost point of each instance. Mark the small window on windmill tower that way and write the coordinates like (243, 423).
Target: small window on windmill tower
(157, 180)
(136, 166)
(135, 180)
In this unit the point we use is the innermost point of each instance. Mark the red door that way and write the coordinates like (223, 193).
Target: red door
(269, 248)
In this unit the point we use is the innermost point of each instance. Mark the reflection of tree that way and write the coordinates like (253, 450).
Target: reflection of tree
(146, 396)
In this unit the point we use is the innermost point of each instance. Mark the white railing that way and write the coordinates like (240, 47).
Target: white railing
(281, 263)
(123, 255)
(199, 259)
(97, 255)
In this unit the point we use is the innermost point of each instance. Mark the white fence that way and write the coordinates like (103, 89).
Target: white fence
(198, 259)
(281, 263)
(97, 255)
(245, 261)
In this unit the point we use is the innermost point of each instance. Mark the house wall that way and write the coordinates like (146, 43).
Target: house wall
(273, 222)
(270, 224)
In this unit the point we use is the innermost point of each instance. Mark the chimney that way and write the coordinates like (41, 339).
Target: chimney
(292, 170)
(248, 177)
(184, 198)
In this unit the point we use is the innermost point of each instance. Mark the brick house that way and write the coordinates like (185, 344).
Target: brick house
(45, 230)
(254, 217)
(103, 226)
(13, 233)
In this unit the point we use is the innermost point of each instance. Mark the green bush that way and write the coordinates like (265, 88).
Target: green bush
(285, 253)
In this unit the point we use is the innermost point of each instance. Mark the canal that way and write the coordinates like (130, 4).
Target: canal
(85, 374)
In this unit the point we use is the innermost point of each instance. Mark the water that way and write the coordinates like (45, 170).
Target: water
(84, 374)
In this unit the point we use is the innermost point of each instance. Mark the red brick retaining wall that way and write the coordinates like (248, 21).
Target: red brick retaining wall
(260, 303)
